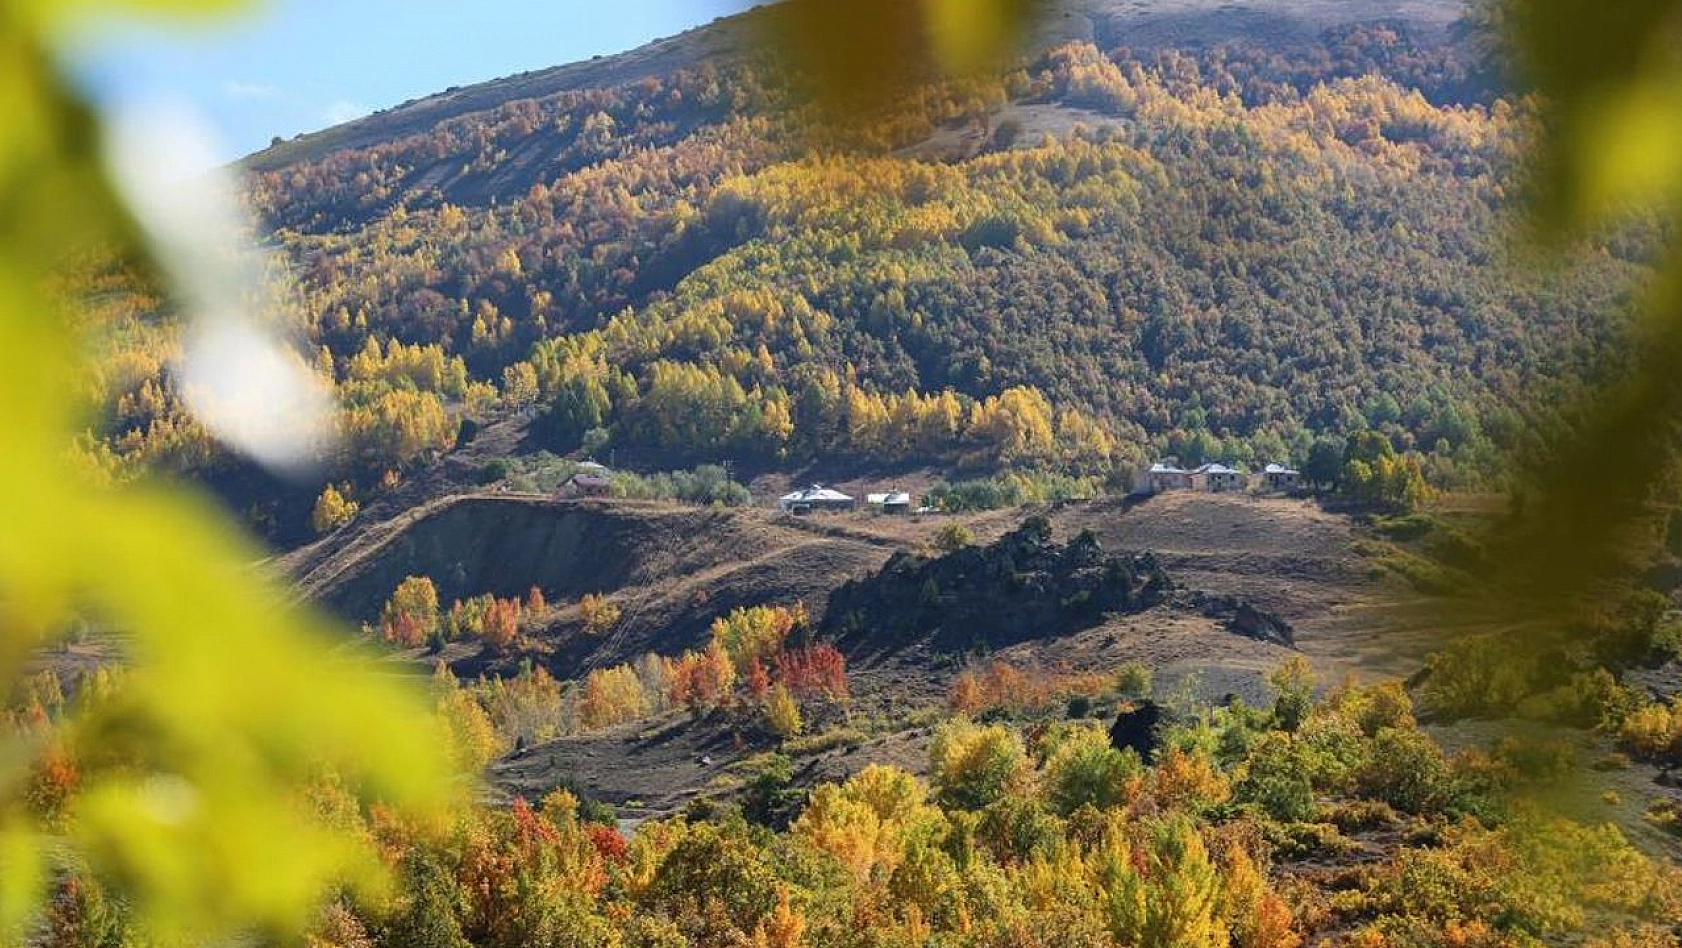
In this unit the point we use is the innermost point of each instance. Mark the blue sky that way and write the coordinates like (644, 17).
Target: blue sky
(290, 66)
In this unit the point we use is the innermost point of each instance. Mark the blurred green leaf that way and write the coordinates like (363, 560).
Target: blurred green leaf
(858, 56)
(970, 35)
(192, 801)
(1610, 76)
(22, 875)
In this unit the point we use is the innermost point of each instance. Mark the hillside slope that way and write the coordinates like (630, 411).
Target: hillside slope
(674, 569)
(1217, 231)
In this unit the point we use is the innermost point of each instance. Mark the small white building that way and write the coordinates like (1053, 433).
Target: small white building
(1217, 479)
(892, 502)
(589, 479)
(1163, 476)
(815, 499)
(1278, 477)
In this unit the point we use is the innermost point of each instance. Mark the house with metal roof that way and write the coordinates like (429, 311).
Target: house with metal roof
(1163, 476)
(815, 499)
(1218, 479)
(1279, 478)
(892, 502)
(588, 479)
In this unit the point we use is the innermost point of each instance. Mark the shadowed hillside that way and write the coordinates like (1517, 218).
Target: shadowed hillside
(673, 569)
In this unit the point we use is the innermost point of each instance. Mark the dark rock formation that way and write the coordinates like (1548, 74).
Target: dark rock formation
(1242, 618)
(1139, 726)
(1022, 587)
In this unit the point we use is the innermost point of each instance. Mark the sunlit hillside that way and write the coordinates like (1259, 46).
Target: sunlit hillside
(1218, 252)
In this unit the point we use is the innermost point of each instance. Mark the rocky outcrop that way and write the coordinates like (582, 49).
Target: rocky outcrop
(1242, 618)
(1024, 586)
(1139, 726)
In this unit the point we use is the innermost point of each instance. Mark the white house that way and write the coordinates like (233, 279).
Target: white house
(892, 502)
(814, 499)
(1278, 477)
(1163, 477)
(1217, 478)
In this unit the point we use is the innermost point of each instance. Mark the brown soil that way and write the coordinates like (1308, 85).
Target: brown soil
(675, 568)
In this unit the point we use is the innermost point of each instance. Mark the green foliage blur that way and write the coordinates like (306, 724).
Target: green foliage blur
(190, 781)
(1610, 79)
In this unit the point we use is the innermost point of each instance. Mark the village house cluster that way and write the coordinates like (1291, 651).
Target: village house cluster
(821, 499)
(591, 479)
(1216, 479)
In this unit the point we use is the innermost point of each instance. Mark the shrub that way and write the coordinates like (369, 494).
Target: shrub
(708, 484)
(1189, 781)
(815, 671)
(502, 624)
(600, 614)
(1015, 828)
(1084, 769)
(1011, 489)
(410, 616)
(770, 793)
(1407, 771)
(782, 713)
(953, 537)
(758, 632)
(1478, 676)
(1385, 705)
(1405, 527)
(333, 509)
(1653, 732)
(1133, 680)
(973, 766)
(612, 696)
(1003, 686)
(1355, 815)
(1589, 699)
(1293, 689)
(1276, 779)
(469, 735)
(1183, 893)
(894, 795)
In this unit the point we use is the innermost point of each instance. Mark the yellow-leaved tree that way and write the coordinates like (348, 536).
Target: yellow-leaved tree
(332, 510)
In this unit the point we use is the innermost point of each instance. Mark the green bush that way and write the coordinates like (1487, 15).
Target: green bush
(953, 537)
(1084, 769)
(1293, 690)
(1407, 771)
(492, 471)
(1016, 828)
(1133, 680)
(1478, 676)
(1277, 780)
(1011, 489)
(973, 766)
(1406, 527)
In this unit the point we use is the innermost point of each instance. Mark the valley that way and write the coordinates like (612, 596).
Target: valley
(675, 570)
(586, 328)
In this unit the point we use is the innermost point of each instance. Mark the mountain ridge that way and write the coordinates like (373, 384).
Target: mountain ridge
(1107, 23)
